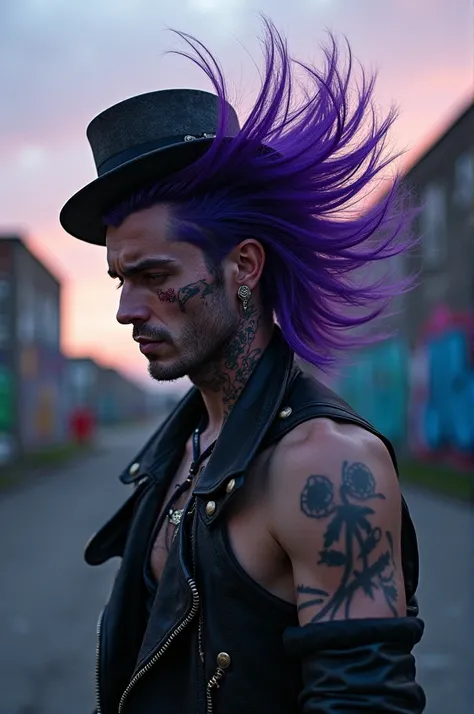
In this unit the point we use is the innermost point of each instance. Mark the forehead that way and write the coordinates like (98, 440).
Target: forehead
(147, 234)
(141, 232)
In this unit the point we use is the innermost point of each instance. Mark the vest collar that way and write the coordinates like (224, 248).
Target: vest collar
(241, 435)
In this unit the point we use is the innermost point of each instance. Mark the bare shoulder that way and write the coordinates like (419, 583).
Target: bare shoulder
(335, 509)
(321, 444)
(322, 462)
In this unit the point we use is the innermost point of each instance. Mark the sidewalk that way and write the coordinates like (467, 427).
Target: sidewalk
(19, 473)
(445, 656)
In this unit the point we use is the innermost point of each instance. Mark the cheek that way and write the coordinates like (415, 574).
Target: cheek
(168, 296)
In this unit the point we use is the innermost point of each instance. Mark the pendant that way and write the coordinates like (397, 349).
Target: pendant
(175, 517)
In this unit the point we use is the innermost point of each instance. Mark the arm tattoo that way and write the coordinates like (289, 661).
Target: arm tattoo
(350, 529)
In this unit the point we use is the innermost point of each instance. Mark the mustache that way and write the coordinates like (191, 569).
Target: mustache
(154, 334)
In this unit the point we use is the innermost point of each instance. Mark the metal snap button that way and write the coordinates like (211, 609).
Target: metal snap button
(223, 660)
(134, 468)
(230, 485)
(285, 413)
(210, 508)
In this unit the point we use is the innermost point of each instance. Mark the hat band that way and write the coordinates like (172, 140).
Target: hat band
(133, 152)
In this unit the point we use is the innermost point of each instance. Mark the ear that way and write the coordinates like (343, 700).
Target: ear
(246, 263)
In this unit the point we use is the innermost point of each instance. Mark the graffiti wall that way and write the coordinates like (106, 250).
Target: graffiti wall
(442, 395)
(422, 398)
(42, 416)
(376, 386)
(7, 377)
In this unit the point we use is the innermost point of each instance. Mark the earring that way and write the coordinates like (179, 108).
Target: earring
(244, 293)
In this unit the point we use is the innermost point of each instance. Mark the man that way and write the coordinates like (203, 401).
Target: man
(269, 563)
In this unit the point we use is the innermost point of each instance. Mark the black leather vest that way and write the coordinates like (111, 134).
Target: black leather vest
(214, 638)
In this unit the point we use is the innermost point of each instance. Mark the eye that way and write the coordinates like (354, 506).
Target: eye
(156, 279)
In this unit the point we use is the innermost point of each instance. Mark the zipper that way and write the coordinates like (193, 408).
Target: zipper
(177, 631)
(97, 663)
(213, 684)
(200, 629)
(223, 661)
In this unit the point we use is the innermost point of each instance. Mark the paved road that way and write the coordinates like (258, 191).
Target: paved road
(49, 599)
(445, 656)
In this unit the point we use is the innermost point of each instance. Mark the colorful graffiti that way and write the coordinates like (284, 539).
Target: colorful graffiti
(442, 399)
(422, 398)
(376, 385)
(6, 413)
(41, 398)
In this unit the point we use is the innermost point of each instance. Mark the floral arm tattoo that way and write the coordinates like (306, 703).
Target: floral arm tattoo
(362, 552)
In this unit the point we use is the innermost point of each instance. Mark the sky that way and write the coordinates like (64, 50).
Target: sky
(61, 63)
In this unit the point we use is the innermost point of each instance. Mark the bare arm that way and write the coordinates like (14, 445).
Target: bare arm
(336, 511)
(337, 514)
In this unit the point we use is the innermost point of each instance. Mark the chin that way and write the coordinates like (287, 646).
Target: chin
(161, 372)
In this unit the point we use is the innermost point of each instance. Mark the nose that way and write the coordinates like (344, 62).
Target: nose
(132, 307)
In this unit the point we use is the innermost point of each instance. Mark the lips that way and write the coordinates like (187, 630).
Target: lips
(147, 346)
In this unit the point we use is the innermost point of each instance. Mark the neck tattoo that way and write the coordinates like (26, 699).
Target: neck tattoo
(231, 372)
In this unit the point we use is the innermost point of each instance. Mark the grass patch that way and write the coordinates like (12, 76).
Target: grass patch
(440, 479)
(16, 472)
(54, 455)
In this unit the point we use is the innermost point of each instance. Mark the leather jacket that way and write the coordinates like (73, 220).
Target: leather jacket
(215, 641)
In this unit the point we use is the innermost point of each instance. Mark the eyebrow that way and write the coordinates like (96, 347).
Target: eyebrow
(140, 266)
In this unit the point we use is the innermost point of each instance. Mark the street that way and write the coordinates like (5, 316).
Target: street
(50, 599)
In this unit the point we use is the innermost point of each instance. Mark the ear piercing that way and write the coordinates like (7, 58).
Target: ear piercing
(244, 293)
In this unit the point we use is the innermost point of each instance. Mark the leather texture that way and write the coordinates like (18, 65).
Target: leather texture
(358, 666)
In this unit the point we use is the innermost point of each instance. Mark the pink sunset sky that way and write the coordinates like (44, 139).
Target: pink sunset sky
(64, 62)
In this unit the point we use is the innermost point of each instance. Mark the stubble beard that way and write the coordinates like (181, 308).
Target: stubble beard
(202, 343)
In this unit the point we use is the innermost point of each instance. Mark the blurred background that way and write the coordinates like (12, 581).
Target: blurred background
(76, 402)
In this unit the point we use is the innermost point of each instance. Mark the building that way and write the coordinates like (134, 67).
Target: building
(442, 182)
(31, 363)
(107, 394)
(40, 388)
(418, 388)
(120, 399)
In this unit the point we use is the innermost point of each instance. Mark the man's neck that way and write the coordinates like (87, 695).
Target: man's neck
(223, 380)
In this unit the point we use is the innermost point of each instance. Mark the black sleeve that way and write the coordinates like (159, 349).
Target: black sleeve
(351, 666)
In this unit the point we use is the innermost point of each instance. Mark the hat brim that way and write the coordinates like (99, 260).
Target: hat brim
(82, 216)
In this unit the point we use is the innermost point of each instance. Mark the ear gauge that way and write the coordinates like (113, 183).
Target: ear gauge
(244, 293)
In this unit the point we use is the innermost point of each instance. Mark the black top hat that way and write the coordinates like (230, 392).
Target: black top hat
(137, 142)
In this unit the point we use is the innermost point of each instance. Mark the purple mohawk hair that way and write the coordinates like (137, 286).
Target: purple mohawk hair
(329, 148)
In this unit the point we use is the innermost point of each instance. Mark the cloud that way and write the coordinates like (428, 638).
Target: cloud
(218, 6)
(30, 158)
(63, 62)
(60, 63)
